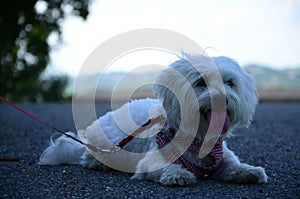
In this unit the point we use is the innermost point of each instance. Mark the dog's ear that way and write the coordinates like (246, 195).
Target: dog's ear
(178, 98)
(164, 89)
(164, 83)
(249, 98)
(171, 84)
(248, 95)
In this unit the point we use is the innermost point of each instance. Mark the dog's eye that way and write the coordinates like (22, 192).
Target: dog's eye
(200, 83)
(229, 83)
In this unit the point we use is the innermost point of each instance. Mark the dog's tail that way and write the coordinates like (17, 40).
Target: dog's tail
(63, 150)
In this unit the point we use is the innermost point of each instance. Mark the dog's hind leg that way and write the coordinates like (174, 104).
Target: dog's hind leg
(62, 150)
(231, 170)
(90, 162)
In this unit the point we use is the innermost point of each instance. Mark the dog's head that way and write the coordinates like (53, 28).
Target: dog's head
(191, 87)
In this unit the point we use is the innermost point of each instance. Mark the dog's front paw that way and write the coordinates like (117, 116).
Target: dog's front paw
(175, 175)
(254, 175)
(244, 173)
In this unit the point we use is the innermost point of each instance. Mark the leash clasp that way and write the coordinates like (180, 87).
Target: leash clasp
(111, 150)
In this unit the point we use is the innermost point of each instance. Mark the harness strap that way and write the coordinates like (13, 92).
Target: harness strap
(172, 154)
(127, 139)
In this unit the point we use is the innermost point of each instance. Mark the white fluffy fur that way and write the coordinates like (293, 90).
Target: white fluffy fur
(181, 112)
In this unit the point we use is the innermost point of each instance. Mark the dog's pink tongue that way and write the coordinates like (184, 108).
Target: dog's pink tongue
(219, 122)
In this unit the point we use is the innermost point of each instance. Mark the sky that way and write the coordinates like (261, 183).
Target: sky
(264, 32)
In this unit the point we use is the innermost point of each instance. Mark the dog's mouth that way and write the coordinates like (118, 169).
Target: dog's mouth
(218, 121)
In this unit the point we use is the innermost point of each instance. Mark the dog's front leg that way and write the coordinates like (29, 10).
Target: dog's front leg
(158, 170)
(231, 170)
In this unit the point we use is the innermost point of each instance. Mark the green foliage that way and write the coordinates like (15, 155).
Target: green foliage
(267, 78)
(24, 51)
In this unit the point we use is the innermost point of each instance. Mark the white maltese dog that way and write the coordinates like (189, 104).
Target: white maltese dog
(201, 100)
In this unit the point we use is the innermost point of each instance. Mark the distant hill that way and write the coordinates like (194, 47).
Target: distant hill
(283, 85)
(276, 85)
(267, 78)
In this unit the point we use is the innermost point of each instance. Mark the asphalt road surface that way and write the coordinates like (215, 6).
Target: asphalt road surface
(272, 141)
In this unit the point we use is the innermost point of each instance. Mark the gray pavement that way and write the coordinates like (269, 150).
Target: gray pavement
(272, 141)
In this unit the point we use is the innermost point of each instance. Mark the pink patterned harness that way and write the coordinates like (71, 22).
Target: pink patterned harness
(166, 135)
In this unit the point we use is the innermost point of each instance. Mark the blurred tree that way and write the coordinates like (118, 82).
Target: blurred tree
(25, 27)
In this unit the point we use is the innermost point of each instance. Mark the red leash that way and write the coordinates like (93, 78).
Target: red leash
(39, 120)
(115, 148)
